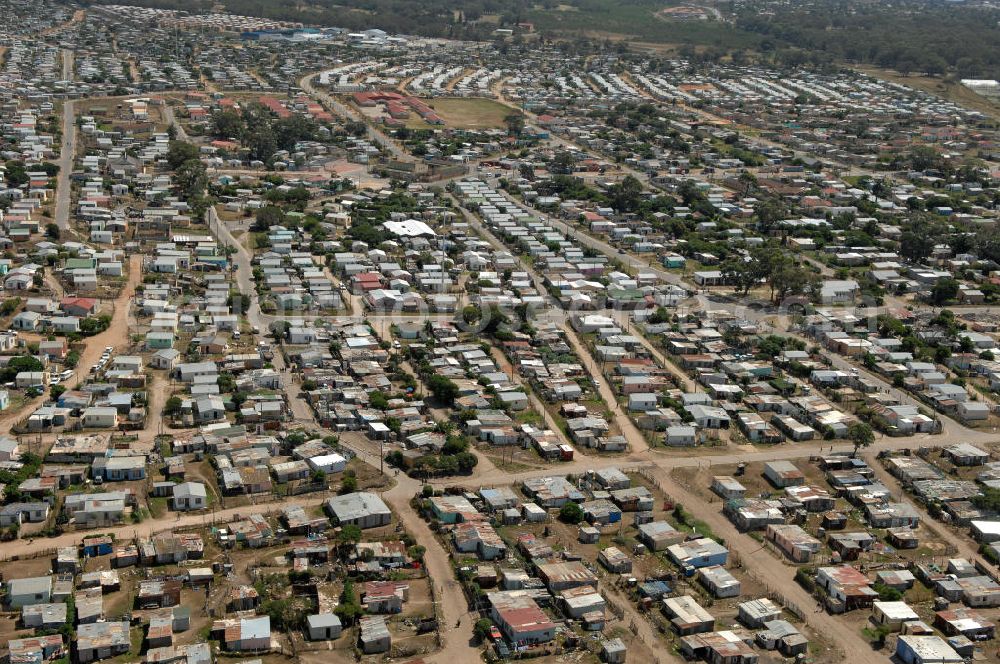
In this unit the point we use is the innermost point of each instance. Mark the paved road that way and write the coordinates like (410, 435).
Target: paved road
(374, 135)
(168, 117)
(66, 155)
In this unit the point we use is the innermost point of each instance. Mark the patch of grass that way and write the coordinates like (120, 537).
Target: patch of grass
(688, 523)
(529, 416)
(509, 466)
(157, 506)
(258, 240)
(466, 113)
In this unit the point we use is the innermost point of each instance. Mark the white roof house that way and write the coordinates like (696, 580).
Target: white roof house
(409, 228)
(360, 508)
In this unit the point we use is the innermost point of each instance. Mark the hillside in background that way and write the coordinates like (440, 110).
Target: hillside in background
(915, 36)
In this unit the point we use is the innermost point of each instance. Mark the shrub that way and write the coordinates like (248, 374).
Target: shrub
(571, 513)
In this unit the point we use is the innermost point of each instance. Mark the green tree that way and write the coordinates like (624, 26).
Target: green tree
(571, 513)
(887, 593)
(349, 534)
(293, 129)
(287, 613)
(790, 279)
(989, 499)
(562, 163)
(349, 610)
(349, 484)
(16, 174)
(482, 629)
(987, 243)
(20, 363)
(861, 435)
(514, 123)
(742, 272)
(172, 406)
(179, 152)
(769, 212)
(227, 124)
(10, 305)
(944, 290)
(466, 461)
(626, 196)
(378, 400)
(916, 245)
(267, 216)
(261, 142)
(191, 178)
(659, 316)
(444, 389)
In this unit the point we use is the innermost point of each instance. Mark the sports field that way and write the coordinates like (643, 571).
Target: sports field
(464, 113)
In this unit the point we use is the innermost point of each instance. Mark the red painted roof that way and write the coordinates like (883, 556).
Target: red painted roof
(82, 302)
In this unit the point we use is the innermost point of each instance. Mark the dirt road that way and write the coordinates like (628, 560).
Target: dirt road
(150, 527)
(773, 572)
(116, 335)
(456, 621)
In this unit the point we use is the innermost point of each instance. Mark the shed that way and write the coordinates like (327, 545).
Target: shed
(719, 581)
(893, 614)
(613, 651)
(323, 627)
(374, 635)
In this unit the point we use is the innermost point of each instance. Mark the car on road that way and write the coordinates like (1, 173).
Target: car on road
(66, 375)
